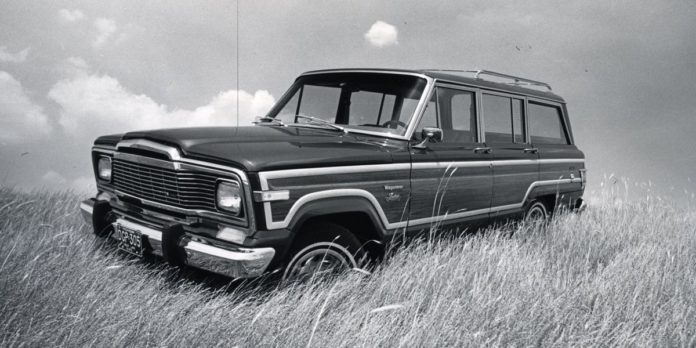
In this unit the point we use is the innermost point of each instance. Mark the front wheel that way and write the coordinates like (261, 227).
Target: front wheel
(323, 250)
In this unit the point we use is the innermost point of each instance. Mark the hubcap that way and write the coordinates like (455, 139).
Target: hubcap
(322, 262)
(536, 215)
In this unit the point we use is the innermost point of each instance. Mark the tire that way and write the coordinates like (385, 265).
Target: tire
(323, 249)
(536, 213)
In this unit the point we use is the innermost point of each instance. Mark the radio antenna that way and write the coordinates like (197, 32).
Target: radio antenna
(237, 63)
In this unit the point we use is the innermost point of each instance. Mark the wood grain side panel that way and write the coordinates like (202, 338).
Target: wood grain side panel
(394, 207)
(436, 192)
(510, 182)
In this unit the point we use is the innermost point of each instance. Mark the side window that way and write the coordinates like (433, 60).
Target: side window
(453, 111)
(546, 125)
(461, 107)
(497, 117)
(503, 118)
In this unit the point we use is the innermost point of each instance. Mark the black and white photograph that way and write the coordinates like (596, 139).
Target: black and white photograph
(237, 173)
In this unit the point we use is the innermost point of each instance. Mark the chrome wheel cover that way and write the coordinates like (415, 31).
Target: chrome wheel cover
(319, 260)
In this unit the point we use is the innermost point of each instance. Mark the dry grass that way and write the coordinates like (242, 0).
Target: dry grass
(619, 274)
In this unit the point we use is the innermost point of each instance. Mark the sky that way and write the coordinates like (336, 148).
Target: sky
(73, 70)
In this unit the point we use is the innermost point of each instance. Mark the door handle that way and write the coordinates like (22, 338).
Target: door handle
(482, 150)
(531, 150)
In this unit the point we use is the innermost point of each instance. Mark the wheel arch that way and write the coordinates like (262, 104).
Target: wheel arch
(355, 213)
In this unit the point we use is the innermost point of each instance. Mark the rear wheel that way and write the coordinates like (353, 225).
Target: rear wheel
(536, 213)
(324, 249)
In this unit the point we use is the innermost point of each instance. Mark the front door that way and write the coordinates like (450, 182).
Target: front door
(515, 162)
(451, 181)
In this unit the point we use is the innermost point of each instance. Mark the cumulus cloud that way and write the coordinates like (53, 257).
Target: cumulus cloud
(21, 118)
(382, 34)
(7, 56)
(99, 104)
(105, 30)
(70, 16)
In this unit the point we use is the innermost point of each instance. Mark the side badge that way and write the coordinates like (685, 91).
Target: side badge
(393, 196)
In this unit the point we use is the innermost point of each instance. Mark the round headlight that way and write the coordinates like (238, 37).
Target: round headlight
(104, 168)
(229, 197)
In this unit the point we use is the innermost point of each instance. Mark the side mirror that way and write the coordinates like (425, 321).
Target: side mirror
(432, 134)
(429, 135)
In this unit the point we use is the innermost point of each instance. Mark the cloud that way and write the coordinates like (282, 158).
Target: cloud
(21, 118)
(70, 16)
(98, 104)
(19, 57)
(105, 30)
(382, 34)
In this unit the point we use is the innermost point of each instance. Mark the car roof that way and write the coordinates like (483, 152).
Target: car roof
(456, 77)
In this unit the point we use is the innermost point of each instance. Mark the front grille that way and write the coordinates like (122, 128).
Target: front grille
(179, 188)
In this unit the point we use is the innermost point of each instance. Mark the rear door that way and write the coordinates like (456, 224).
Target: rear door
(561, 163)
(515, 161)
(451, 181)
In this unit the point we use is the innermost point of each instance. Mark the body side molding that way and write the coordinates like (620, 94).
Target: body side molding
(270, 224)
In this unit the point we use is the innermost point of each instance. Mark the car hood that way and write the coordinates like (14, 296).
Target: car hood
(261, 148)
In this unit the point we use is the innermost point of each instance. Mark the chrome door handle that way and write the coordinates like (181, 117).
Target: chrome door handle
(482, 150)
(531, 150)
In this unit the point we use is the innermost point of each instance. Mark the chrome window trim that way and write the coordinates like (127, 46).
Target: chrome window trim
(264, 177)
(550, 99)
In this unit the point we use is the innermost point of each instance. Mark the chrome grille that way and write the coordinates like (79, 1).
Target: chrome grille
(180, 188)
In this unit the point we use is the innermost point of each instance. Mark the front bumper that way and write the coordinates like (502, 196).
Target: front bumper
(236, 262)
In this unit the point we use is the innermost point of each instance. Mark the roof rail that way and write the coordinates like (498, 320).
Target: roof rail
(519, 81)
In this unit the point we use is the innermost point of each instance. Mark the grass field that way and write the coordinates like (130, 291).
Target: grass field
(619, 274)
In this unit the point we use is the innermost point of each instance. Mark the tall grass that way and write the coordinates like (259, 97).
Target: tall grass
(622, 273)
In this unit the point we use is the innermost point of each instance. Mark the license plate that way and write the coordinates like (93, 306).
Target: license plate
(131, 241)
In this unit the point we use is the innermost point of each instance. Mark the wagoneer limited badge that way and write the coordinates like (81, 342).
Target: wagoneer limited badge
(393, 196)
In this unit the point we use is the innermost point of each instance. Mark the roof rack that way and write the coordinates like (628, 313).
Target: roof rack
(519, 81)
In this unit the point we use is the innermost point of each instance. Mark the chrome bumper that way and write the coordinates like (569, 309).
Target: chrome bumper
(234, 262)
(87, 208)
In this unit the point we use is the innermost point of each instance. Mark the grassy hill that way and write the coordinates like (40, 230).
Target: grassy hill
(622, 273)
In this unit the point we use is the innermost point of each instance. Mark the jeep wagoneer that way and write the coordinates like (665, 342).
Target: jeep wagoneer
(344, 162)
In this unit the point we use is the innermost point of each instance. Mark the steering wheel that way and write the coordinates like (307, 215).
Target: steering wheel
(393, 124)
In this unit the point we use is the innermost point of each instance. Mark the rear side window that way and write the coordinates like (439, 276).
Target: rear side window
(546, 124)
(503, 119)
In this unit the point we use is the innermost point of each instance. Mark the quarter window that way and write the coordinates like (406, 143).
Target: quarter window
(546, 125)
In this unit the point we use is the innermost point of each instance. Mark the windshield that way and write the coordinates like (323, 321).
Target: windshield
(358, 101)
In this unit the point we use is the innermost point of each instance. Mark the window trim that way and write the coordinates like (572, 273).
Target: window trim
(564, 117)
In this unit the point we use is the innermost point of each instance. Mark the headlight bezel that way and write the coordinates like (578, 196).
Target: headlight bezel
(104, 159)
(233, 185)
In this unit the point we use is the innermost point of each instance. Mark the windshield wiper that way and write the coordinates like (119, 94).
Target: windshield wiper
(271, 121)
(319, 121)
